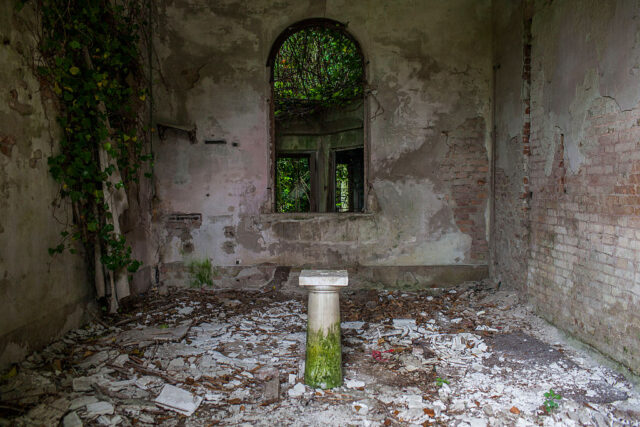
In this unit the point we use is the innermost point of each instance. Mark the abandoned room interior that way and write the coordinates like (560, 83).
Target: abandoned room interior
(320, 212)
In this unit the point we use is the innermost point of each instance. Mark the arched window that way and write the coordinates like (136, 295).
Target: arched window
(317, 77)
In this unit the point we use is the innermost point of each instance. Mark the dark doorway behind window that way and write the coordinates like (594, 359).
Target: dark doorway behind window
(349, 184)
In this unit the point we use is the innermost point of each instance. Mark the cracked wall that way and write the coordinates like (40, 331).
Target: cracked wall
(583, 173)
(40, 296)
(428, 120)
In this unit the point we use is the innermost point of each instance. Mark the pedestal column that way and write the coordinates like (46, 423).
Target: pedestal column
(323, 365)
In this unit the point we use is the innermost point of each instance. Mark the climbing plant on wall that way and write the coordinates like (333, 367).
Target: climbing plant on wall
(315, 68)
(90, 58)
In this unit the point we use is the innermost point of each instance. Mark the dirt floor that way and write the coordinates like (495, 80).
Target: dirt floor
(471, 356)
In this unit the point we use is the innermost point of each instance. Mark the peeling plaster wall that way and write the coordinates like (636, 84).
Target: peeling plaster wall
(428, 122)
(583, 270)
(40, 297)
(510, 240)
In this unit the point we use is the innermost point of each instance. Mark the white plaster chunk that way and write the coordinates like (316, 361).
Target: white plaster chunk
(324, 278)
(72, 420)
(349, 383)
(178, 400)
(81, 402)
(109, 421)
(99, 408)
(352, 325)
(297, 391)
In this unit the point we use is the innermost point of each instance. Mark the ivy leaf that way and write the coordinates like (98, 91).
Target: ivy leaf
(74, 44)
(74, 70)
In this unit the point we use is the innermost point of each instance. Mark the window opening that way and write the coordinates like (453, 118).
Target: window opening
(318, 80)
(294, 183)
(349, 184)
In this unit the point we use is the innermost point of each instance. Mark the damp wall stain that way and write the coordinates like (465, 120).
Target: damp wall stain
(429, 73)
(41, 297)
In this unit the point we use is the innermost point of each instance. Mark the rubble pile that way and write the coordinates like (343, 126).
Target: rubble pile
(469, 357)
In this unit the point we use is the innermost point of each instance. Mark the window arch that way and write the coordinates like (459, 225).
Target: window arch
(317, 119)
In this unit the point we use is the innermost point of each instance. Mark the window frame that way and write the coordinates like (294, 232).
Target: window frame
(273, 154)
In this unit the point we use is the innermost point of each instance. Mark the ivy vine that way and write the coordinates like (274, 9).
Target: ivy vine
(90, 58)
(316, 68)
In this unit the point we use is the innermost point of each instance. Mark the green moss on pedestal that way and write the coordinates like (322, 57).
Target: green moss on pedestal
(323, 367)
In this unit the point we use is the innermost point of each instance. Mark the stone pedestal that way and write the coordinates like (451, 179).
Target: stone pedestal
(323, 366)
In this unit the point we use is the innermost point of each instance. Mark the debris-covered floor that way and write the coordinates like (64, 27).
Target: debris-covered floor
(471, 356)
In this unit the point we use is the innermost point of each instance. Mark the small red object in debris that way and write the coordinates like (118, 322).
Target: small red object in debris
(377, 356)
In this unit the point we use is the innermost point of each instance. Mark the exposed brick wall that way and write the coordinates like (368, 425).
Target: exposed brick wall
(466, 169)
(585, 236)
(567, 203)
(511, 233)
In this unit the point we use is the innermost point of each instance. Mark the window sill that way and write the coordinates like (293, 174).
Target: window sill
(309, 216)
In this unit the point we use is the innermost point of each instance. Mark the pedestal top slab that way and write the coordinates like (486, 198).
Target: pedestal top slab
(324, 278)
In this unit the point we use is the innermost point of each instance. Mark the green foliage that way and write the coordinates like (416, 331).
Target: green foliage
(316, 68)
(441, 381)
(323, 364)
(551, 399)
(90, 60)
(200, 273)
(342, 187)
(293, 186)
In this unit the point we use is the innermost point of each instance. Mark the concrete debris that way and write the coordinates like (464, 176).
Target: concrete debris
(99, 408)
(83, 383)
(179, 400)
(81, 402)
(109, 421)
(26, 388)
(46, 414)
(474, 357)
(72, 420)
(96, 359)
(148, 336)
(297, 390)
(271, 390)
(354, 383)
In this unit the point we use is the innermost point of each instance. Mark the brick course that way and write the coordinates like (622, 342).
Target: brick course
(570, 238)
(466, 168)
(585, 236)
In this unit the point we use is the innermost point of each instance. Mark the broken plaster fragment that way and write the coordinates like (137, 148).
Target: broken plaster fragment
(271, 390)
(360, 407)
(297, 391)
(178, 400)
(72, 420)
(81, 402)
(99, 408)
(83, 383)
(354, 383)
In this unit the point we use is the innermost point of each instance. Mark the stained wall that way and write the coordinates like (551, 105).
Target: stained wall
(582, 163)
(510, 202)
(427, 119)
(41, 297)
